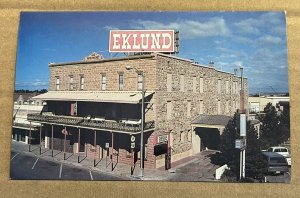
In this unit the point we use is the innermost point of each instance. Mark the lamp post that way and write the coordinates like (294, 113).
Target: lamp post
(142, 121)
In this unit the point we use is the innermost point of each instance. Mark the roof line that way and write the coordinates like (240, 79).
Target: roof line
(104, 60)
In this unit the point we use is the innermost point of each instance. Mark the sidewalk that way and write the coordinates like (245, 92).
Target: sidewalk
(104, 165)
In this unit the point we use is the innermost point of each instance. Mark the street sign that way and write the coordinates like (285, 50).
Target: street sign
(240, 143)
(132, 145)
(132, 138)
(243, 125)
(107, 145)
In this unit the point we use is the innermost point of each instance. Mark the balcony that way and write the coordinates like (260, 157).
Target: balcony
(86, 122)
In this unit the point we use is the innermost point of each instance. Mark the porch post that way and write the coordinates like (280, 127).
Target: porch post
(65, 136)
(95, 148)
(78, 147)
(41, 139)
(29, 136)
(112, 151)
(52, 139)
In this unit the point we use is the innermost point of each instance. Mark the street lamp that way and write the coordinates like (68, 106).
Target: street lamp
(142, 121)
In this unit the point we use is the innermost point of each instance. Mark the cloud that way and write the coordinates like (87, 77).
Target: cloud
(269, 40)
(109, 27)
(272, 21)
(249, 26)
(34, 84)
(189, 29)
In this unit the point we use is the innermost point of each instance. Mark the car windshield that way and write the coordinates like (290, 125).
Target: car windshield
(270, 149)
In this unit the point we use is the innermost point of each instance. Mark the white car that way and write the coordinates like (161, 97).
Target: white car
(282, 151)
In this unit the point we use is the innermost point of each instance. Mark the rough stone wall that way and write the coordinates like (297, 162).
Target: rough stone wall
(180, 123)
(92, 76)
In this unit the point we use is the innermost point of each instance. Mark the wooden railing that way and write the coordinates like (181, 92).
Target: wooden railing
(89, 123)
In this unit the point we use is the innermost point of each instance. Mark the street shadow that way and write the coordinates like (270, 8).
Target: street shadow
(69, 156)
(57, 153)
(79, 161)
(98, 162)
(45, 151)
(116, 163)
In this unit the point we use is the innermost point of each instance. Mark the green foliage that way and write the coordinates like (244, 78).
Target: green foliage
(275, 128)
(255, 163)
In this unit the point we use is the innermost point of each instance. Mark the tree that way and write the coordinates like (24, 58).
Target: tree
(275, 128)
(255, 163)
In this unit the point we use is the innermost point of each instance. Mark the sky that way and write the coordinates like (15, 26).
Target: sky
(254, 40)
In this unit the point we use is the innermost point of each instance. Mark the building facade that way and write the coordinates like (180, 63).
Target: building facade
(95, 106)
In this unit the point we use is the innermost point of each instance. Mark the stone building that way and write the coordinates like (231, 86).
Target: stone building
(95, 105)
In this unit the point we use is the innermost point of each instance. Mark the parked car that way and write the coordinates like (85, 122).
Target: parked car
(282, 151)
(276, 163)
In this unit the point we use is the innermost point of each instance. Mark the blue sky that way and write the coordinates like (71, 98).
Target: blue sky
(254, 40)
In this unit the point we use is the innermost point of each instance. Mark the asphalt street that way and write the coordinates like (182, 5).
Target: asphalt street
(27, 167)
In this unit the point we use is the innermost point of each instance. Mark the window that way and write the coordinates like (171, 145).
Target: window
(71, 83)
(181, 136)
(169, 82)
(219, 107)
(140, 81)
(81, 82)
(103, 81)
(121, 81)
(194, 84)
(201, 107)
(188, 108)
(227, 86)
(227, 106)
(181, 82)
(201, 85)
(169, 110)
(57, 83)
(219, 86)
(189, 135)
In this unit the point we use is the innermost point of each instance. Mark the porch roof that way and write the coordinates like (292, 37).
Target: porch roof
(133, 97)
(211, 121)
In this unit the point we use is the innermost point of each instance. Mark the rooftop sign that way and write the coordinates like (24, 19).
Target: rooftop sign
(141, 41)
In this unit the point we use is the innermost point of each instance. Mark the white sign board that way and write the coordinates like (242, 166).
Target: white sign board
(240, 143)
(162, 138)
(243, 125)
(106, 145)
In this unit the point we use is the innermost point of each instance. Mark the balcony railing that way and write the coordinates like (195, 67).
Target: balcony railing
(89, 123)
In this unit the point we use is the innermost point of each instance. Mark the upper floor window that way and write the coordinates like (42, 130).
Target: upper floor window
(140, 81)
(169, 82)
(57, 83)
(121, 81)
(81, 82)
(71, 82)
(181, 82)
(227, 86)
(103, 81)
(219, 107)
(169, 110)
(201, 107)
(201, 85)
(219, 86)
(194, 84)
(189, 108)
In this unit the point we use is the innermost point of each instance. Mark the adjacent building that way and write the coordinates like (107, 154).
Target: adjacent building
(94, 107)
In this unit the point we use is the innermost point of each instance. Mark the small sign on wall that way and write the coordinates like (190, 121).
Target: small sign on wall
(106, 145)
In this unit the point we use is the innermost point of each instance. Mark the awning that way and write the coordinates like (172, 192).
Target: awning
(133, 97)
(211, 121)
